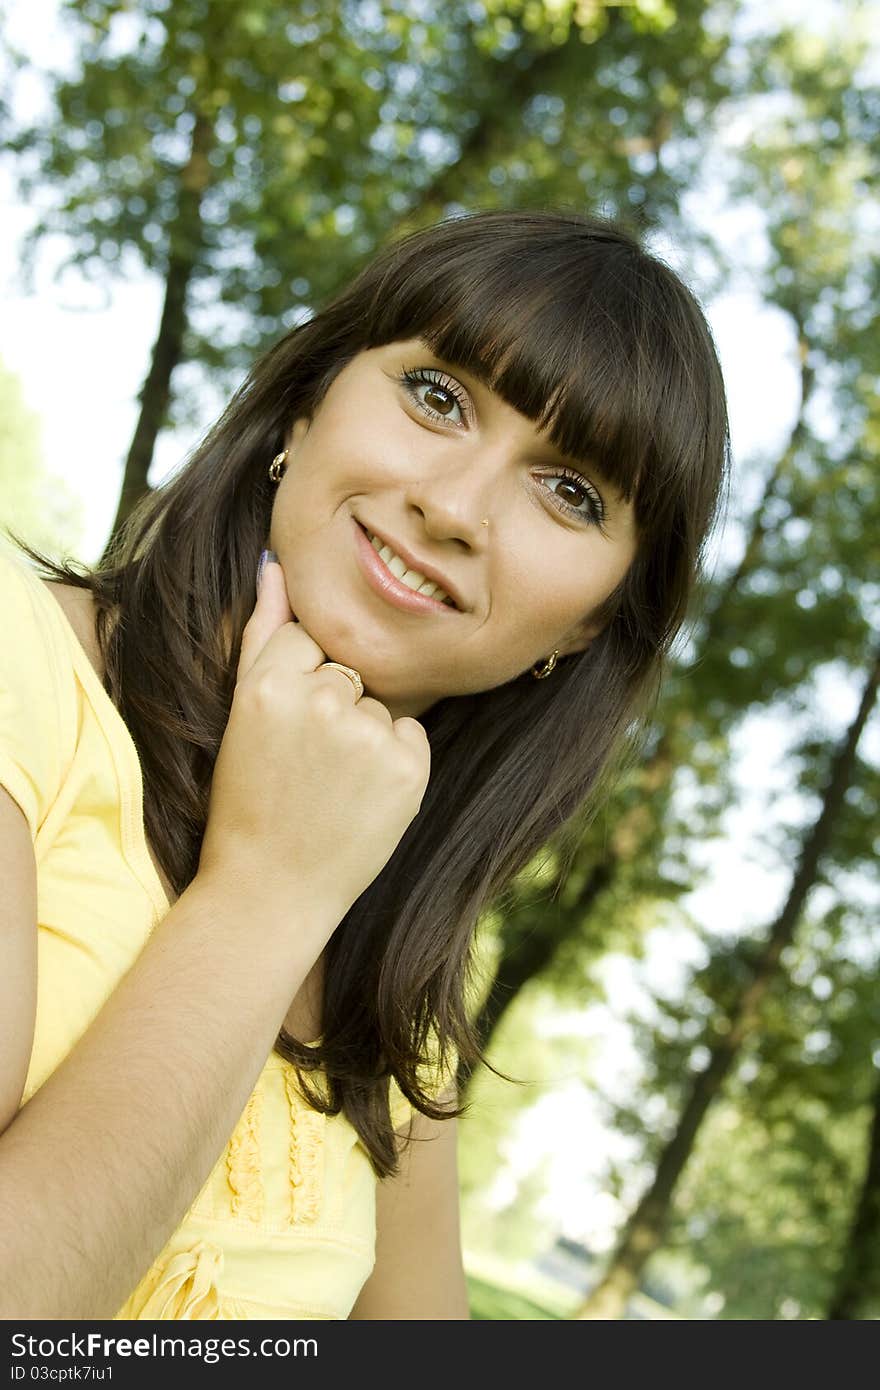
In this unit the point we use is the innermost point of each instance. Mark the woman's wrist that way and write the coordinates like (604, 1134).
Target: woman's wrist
(266, 909)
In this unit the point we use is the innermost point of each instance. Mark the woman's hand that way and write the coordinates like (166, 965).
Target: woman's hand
(311, 791)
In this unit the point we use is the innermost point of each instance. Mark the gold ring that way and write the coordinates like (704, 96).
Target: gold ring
(353, 675)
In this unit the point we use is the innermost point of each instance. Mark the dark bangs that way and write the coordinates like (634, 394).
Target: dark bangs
(577, 328)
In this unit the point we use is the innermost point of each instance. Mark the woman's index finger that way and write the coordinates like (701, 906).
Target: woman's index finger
(271, 611)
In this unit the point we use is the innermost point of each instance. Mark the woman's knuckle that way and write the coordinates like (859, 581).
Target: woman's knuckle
(375, 708)
(372, 736)
(325, 701)
(258, 690)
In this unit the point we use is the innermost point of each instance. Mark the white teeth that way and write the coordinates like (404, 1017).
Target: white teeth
(411, 578)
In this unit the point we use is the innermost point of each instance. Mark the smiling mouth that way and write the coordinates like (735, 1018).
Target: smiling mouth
(413, 579)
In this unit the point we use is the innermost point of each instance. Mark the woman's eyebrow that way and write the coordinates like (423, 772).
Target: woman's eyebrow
(456, 368)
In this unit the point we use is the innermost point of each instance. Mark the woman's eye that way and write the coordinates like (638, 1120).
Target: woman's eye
(437, 395)
(574, 494)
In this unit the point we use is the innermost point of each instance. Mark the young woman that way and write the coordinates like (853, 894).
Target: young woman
(245, 841)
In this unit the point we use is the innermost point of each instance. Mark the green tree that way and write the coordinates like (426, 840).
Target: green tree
(252, 156)
(857, 1294)
(644, 1230)
(765, 1209)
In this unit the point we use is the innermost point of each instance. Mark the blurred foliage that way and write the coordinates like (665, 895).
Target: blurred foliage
(36, 505)
(510, 1221)
(328, 126)
(763, 1209)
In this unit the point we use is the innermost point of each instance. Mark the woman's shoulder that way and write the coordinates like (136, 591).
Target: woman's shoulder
(38, 703)
(78, 607)
(45, 611)
(26, 605)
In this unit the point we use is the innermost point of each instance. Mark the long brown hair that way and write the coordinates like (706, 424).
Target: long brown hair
(577, 327)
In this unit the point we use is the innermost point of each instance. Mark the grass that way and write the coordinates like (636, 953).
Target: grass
(490, 1301)
(501, 1290)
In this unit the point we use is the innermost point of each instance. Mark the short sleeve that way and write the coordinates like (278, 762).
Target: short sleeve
(32, 692)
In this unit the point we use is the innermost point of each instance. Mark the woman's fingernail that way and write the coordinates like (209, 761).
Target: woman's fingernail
(265, 557)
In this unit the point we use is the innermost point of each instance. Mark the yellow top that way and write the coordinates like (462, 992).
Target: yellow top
(285, 1225)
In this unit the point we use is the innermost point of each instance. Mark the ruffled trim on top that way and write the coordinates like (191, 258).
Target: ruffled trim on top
(305, 1155)
(243, 1162)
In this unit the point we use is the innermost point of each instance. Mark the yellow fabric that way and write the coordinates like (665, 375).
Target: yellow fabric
(285, 1225)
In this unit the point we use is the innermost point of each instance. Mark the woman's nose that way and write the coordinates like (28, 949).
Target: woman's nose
(454, 498)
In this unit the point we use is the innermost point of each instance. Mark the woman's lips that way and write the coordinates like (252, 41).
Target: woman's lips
(380, 578)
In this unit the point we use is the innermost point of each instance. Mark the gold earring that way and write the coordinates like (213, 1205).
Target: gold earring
(542, 669)
(276, 467)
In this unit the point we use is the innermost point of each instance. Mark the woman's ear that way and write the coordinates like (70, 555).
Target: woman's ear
(297, 432)
(578, 638)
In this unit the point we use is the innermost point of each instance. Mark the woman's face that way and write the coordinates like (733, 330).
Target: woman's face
(418, 464)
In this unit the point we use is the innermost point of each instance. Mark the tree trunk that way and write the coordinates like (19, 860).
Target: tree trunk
(185, 245)
(857, 1295)
(644, 1230)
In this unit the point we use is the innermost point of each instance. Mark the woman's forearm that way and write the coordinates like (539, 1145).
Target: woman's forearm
(101, 1165)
